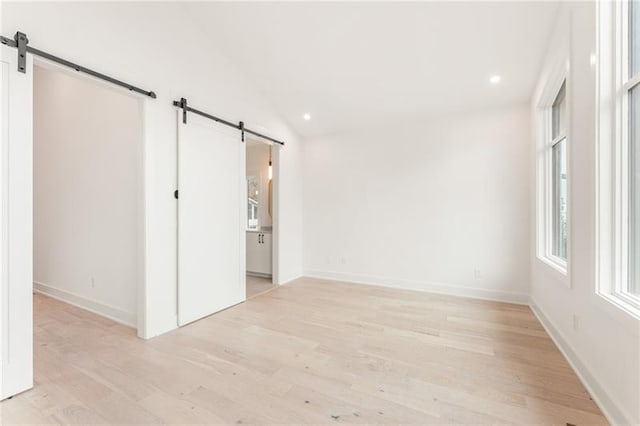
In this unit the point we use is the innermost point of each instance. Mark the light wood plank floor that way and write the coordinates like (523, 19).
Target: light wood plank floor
(309, 352)
(258, 285)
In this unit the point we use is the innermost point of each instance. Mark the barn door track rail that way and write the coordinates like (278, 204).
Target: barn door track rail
(21, 42)
(182, 103)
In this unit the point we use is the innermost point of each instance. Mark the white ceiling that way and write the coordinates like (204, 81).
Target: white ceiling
(353, 64)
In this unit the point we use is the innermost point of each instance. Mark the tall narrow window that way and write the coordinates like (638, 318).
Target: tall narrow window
(552, 189)
(559, 175)
(619, 154)
(634, 190)
(634, 37)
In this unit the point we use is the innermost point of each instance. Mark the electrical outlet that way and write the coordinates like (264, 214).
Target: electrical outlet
(343, 260)
(477, 273)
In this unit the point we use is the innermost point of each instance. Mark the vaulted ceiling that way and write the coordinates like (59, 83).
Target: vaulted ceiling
(353, 64)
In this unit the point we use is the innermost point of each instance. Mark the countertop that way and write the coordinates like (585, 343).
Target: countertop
(264, 230)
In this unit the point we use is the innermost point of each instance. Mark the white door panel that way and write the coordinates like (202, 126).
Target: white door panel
(16, 177)
(211, 215)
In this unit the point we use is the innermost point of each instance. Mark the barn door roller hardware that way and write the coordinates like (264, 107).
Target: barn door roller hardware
(182, 103)
(21, 42)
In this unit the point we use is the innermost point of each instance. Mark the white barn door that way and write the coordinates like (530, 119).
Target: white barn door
(16, 239)
(211, 218)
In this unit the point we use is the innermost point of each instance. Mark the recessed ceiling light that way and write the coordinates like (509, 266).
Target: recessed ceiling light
(495, 79)
(307, 116)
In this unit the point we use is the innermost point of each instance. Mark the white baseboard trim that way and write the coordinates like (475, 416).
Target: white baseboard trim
(611, 410)
(115, 314)
(259, 275)
(287, 279)
(424, 286)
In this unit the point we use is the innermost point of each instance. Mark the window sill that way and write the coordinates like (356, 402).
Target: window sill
(621, 305)
(556, 264)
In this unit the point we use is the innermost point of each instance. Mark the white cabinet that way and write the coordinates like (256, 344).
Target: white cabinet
(259, 252)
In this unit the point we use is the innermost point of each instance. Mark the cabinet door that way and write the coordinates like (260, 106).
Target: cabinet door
(265, 251)
(259, 252)
(253, 251)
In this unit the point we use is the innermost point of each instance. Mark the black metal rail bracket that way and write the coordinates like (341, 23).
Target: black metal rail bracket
(182, 103)
(241, 126)
(21, 43)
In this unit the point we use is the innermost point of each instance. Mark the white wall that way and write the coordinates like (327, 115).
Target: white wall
(258, 166)
(423, 205)
(155, 46)
(604, 343)
(288, 190)
(87, 193)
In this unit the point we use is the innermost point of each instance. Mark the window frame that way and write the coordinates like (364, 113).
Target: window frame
(556, 176)
(613, 180)
(545, 169)
(556, 141)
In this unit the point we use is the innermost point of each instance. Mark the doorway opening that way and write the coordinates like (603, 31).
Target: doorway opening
(260, 217)
(88, 194)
